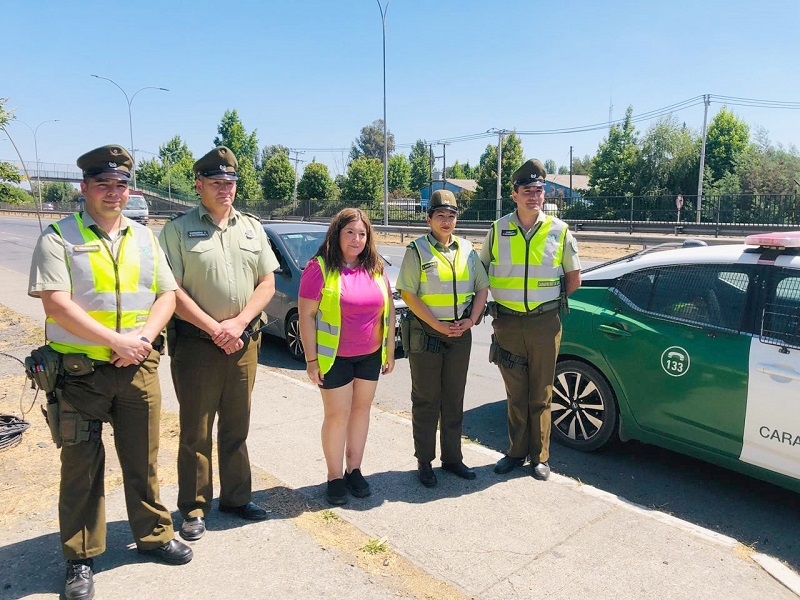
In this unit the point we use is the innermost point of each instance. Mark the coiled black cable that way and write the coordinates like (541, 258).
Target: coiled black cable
(11, 430)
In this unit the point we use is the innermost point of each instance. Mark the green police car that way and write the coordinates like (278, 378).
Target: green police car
(695, 348)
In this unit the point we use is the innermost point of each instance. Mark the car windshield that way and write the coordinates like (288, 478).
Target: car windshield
(136, 203)
(301, 246)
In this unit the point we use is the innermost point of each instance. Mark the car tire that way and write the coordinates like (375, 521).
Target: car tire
(584, 409)
(293, 342)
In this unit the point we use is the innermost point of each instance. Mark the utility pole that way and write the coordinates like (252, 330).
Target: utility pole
(444, 163)
(296, 160)
(430, 173)
(499, 205)
(706, 102)
(570, 174)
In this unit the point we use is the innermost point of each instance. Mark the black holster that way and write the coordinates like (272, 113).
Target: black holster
(504, 358)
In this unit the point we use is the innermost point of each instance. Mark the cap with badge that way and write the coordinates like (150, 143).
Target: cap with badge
(443, 199)
(220, 163)
(107, 162)
(532, 173)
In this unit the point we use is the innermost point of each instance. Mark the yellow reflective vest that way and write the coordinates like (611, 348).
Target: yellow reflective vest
(117, 293)
(329, 317)
(446, 288)
(526, 273)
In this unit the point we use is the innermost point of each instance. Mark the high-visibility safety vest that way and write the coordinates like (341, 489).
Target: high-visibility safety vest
(329, 317)
(446, 288)
(118, 294)
(526, 273)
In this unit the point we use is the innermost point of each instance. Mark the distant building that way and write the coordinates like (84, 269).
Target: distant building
(454, 185)
(557, 186)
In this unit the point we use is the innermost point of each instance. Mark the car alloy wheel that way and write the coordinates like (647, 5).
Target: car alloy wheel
(584, 410)
(293, 342)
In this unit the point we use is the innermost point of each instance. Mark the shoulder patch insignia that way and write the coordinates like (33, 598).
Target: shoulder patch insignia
(197, 234)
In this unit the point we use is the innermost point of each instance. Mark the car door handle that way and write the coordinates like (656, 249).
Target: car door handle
(777, 371)
(613, 330)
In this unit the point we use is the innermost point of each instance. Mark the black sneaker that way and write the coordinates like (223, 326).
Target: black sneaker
(80, 581)
(356, 484)
(336, 495)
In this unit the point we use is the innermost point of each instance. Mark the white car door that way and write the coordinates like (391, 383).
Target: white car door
(772, 422)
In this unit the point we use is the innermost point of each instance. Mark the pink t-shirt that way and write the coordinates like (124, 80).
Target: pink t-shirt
(362, 307)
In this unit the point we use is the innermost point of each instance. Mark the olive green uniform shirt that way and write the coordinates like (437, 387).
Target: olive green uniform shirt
(50, 272)
(411, 270)
(218, 267)
(569, 262)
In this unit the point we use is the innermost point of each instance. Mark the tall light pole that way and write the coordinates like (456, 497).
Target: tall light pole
(499, 202)
(34, 131)
(383, 10)
(130, 116)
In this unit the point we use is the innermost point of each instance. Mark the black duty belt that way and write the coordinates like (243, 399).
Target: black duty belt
(542, 308)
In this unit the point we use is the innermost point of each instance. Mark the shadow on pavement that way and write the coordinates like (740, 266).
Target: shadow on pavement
(758, 514)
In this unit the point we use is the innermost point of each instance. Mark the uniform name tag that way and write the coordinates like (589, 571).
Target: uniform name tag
(197, 234)
(548, 283)
(429, 265)
(87, 248)
(508, 232)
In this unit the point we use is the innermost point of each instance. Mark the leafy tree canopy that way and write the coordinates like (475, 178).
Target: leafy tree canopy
(614, 167)
(233, 134)
(277, 178)
(364, 183)
(370, 143)
(511, 160)
(726, 140)
(399, 174)
(419, 158)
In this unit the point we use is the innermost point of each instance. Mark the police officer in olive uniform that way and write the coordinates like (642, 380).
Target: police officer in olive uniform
(532, 261)
(224, 266)
(107, 292)
(445, 286)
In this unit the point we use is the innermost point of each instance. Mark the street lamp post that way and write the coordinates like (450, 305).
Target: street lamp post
(130, 116)
(34, 131)
(383, 10)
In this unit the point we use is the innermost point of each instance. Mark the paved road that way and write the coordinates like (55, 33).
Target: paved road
(758, 514)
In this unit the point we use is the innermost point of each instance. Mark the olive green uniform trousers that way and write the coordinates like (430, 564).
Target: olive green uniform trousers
(529, 389)
(128, 398)
(209, 383)
(437, 395)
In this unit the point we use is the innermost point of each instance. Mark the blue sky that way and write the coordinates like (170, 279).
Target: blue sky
(308, 73)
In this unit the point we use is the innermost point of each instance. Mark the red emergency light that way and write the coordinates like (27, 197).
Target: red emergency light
(779, 239)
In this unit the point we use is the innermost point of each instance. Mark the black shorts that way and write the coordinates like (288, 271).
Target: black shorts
(347, 368)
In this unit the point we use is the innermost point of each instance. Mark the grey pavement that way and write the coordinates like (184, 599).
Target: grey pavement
(496, 537)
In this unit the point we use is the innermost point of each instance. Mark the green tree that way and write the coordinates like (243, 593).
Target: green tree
(550, 165)
(364, 183)
(727, 139)
(316, 183)
(268, 151)
(277, 178)
(176, 156)
(419, 158)
(232, 133)
(459, 171)
(59, 192)
(400, 174)
(149, 172)
(487, 169)
(581, 166)
(9, 173)
(613, 171)
(667, 159)
(370, 142)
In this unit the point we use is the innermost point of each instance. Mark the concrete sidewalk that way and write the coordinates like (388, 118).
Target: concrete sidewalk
(496, 537)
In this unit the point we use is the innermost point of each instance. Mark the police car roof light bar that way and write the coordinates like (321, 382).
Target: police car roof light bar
(779, 239)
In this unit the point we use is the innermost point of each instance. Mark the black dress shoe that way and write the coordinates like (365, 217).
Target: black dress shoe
(541, 471)
(508, 464)
(172, 553)
(250, 511)
(80, 581)
(193, 528)
(459, 469)
(356, 484)
(426, 475)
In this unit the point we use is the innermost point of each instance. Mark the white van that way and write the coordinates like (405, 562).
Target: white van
(136, 209)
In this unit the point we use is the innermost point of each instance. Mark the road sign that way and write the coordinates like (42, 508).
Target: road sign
(679, 201)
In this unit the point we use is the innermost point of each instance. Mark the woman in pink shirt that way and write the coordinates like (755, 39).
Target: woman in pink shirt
(347, 328)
